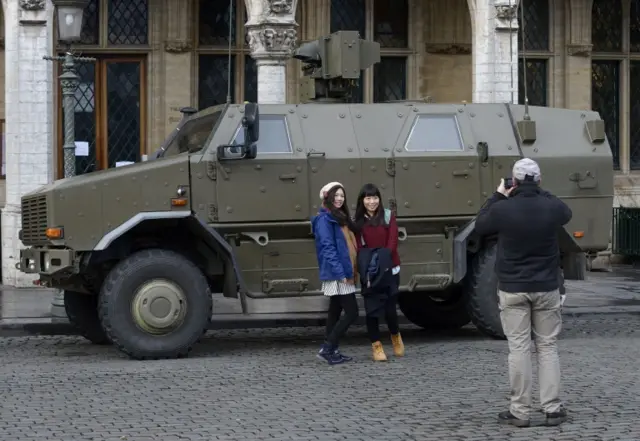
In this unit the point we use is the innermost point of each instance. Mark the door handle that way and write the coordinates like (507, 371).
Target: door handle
(288, 177)
(316, 153)
(464, 173)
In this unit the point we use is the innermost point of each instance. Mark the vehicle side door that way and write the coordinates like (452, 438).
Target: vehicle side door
(437, 171)
(271, 187)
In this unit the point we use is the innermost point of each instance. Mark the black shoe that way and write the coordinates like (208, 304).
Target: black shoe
(508, 418)
(556, 418)
(340, 354)
(328, 354)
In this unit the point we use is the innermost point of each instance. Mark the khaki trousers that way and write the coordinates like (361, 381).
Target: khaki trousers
(521, 313)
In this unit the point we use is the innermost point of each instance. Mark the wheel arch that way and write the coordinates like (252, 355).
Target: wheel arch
(180, 231)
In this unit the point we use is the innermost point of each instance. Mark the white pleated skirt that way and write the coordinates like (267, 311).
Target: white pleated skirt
(337, 288)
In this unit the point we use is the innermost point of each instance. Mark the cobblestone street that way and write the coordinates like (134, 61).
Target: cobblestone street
(265, 384)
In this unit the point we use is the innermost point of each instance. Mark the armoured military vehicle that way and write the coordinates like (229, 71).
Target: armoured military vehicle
(224, 210)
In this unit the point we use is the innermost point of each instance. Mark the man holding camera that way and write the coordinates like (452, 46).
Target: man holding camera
(526, 220)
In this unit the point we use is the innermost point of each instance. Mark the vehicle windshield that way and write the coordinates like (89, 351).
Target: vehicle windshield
(193, 134)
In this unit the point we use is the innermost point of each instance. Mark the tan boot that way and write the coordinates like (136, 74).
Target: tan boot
(378, 352)
(398, 345)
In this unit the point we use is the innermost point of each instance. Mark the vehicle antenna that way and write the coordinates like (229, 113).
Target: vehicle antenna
(524, 65)
(229, 52)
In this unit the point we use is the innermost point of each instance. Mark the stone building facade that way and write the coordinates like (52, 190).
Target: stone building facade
(156, 56)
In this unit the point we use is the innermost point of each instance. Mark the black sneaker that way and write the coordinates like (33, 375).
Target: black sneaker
(328, 354)
(508, 418)
(556, 418)
(344, 357)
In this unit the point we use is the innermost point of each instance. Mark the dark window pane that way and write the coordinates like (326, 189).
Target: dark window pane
(123, 112)
(634, 33)
(212, 80)
(348, 15)
(606, 26)
(214, 23)
(536, 82)
(274, 135)
(605, 99)
(390, 79)
(435, 133)
(90, 20)
(634, 122)
(193, 135)
(536, 25)
(390, 22)
(128, 22)
(250, 80)
(85, 116)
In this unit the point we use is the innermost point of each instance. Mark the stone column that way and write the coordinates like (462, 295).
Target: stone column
(29, 119)
(495, 50)
(578, 61)
(272, 33)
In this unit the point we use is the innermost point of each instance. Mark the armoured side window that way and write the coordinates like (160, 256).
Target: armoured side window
(274, 135)
(434, 133)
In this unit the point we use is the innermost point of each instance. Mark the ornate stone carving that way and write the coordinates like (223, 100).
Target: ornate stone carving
(270, 41)
(281, 6)
(32, 5)
(506, 17)
(448, 48)
(178, 46)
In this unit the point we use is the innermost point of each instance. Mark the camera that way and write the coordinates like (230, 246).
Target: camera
(508, 183)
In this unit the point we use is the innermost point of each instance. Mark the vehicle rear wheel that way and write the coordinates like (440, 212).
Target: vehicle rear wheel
(82, 312)
(155, 304)
(424, 310)
(482, 293)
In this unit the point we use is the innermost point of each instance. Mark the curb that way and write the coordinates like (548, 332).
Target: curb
(61, 327)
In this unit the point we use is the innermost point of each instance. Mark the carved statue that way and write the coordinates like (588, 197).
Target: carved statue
(32, 5)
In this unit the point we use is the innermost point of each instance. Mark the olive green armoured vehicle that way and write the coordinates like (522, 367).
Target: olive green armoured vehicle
(224, 209)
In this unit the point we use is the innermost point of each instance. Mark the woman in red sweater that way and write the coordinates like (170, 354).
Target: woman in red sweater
(377, 228)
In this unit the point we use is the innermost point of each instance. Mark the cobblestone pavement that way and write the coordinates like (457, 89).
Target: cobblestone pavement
(267, 385)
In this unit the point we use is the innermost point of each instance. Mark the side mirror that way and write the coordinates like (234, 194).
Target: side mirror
(251, 123)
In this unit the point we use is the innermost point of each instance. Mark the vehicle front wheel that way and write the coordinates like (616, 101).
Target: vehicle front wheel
(447, 311)
(82, 312)
(155, 304)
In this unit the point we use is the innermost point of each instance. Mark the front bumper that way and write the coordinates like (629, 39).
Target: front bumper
(45, 261)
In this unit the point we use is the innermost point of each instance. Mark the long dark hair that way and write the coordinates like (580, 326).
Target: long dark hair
(362, 217)
(341, 214)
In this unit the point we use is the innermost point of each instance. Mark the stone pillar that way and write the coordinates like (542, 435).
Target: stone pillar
(175, 62)
(495, 50)
(272, 31)
(578, 62)
(29, 120)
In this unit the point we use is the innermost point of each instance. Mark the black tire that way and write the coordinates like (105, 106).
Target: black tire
(118, 292)
(482, 293)
(422, 310)
(82, 312)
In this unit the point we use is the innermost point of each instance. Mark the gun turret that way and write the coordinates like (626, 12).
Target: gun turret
(332, 65)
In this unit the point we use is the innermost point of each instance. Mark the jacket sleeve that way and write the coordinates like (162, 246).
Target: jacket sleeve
(392, 238)
(561, 210)
(327, 248)
(487, 222)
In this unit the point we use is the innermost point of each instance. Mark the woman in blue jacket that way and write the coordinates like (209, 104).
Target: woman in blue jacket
(336, 249)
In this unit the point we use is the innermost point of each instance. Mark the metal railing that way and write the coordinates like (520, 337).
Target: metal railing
(626, 231)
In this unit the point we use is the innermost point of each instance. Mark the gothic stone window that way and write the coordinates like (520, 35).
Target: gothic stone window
(537, 48)
(111, 104)
(608, 35)
(387, 22)
(214, 24)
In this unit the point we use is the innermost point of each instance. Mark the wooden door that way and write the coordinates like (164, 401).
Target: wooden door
(110, 113)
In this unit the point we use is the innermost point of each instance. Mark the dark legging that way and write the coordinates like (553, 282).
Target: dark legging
(336, 325)
(390, 315)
